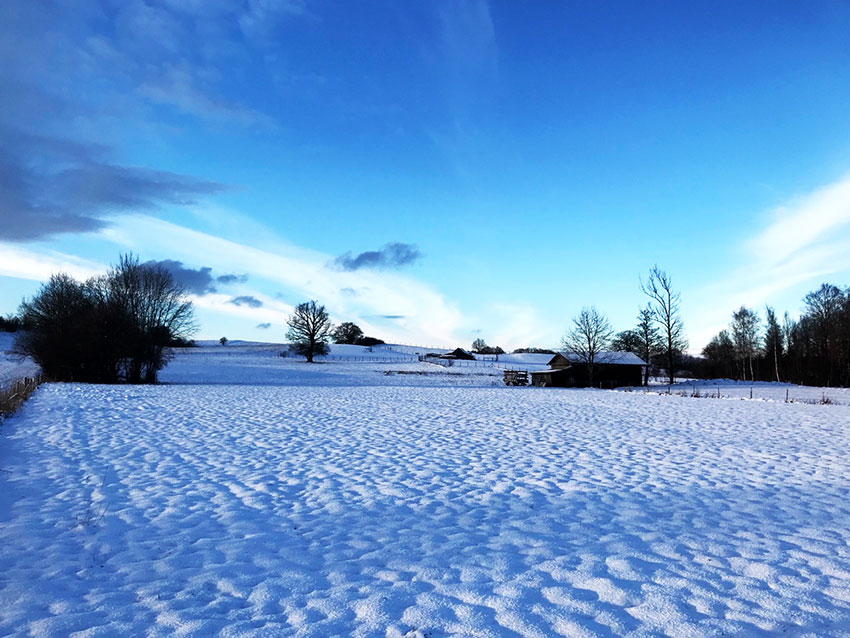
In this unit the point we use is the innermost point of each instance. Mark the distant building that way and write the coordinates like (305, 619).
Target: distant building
(610, 370)
(458, 353)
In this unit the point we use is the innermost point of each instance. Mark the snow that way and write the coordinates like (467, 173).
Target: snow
(252, 495)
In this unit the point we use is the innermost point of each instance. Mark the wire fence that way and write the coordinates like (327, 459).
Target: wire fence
(15, 393)
(459, 363)
(777, 393)
(367, 359)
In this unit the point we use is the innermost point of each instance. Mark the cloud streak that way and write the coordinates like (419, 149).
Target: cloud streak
(392, 255)
(50, 186)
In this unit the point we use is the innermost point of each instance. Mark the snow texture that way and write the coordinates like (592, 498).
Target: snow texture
(339, 500)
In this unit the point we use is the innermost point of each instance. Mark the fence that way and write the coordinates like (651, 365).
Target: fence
(366, 359)
(775, 393)
(13, 395)
(406, 348)
(459, 363)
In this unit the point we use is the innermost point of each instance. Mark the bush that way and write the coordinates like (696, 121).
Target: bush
(347, 332)
(369, 341)
(109, 329)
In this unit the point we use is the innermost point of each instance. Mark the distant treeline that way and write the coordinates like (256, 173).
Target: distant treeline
(11, 324)
(813, 350)
(109, 329)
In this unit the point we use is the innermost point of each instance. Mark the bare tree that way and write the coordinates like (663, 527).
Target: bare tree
(309, 330)
(665, 311)
(157, 308)
(478, 345)
(588, 338)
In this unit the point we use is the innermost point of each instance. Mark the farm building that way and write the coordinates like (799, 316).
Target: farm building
(458, 353)
(611, 370)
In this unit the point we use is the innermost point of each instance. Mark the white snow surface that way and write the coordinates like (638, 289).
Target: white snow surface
(257, 496)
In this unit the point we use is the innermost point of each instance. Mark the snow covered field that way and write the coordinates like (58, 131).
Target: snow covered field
(257, 496)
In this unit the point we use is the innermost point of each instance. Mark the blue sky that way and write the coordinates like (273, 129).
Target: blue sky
(435, 172)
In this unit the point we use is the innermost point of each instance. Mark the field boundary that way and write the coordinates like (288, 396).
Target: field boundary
(14, 394)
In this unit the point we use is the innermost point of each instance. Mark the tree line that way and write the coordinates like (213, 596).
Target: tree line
(812, 350)
(119, 327)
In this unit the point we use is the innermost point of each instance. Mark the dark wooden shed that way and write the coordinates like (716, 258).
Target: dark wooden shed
(610, 370)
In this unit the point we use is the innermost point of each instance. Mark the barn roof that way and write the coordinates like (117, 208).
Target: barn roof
(608, 358)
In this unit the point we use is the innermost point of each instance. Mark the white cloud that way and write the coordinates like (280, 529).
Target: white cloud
(23, 263)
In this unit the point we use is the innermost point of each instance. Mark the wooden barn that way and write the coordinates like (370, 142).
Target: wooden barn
(611, 370)
(458, 353)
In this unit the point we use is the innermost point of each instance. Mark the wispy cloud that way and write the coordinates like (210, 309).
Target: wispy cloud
(17, 261)
(392, 255)
(179, 88)
(50, 186)
(468, 39)
(264, 326)
(807, 224)
(803, 241)
(302, 274)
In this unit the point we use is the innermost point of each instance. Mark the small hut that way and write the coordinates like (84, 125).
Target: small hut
(610, 370)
